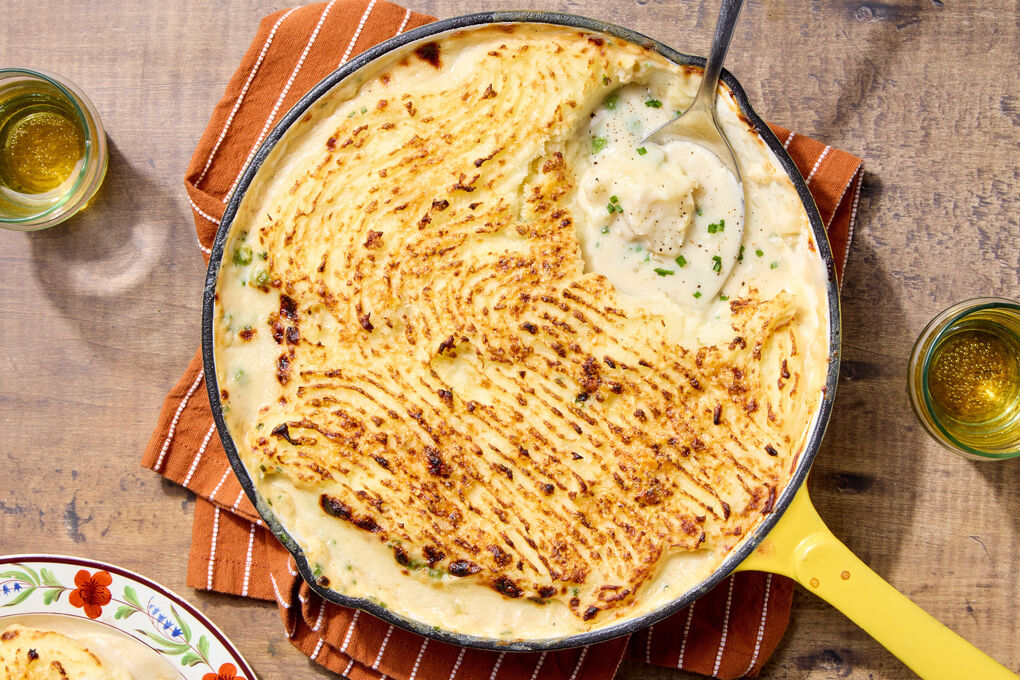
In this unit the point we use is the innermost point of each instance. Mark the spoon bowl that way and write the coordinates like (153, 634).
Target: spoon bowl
(699, 124)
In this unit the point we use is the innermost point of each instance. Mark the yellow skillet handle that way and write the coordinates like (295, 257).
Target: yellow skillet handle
(802, 547)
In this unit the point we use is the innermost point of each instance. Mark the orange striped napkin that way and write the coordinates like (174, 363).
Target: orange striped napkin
(728, 633)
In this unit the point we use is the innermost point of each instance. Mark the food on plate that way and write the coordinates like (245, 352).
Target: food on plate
(497, 367)
(40, 646)
(31, 654)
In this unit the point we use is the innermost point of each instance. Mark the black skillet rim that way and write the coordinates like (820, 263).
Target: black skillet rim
(809, 449)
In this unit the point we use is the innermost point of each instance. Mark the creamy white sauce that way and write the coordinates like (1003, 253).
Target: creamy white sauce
(666, 216)
(246, 367)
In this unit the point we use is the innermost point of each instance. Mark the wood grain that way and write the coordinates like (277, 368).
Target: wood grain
(98, 317)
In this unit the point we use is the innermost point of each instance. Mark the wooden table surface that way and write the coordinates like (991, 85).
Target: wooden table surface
(98, 317)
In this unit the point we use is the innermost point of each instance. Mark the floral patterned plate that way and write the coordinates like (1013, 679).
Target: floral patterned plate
(118, 599)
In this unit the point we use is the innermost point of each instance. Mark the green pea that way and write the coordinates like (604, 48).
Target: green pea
(261, 279)
(242, 255)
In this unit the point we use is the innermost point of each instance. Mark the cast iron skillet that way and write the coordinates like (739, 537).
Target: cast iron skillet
(801, 547)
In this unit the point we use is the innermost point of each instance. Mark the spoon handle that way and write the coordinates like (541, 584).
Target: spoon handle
(729, 12)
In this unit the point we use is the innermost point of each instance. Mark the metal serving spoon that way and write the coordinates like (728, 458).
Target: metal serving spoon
(698, 123)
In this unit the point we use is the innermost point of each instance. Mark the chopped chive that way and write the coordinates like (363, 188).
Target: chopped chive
(597, 144)
(716, 263)
(759, 252)
(653, 103)
(774, 265)
(677, 113)
(724, 298)
(614, 199)
(605, 229)
(610, 101)
(611, 208)
(698, 210)
(740, 255)
(351, 114)
(647, 257)
(641, 151)
(680, 260)
(716, 227)
(364, 109)
(664, 272)
(697, 294)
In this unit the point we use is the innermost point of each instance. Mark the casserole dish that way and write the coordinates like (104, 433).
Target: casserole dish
(796, 546)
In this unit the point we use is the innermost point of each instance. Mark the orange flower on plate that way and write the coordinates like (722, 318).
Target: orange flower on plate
(92, 593)
(227, 672)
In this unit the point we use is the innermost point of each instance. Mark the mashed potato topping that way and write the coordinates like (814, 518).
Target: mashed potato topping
(494, 366)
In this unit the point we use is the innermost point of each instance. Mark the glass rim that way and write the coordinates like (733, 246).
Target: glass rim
(89, 120)
(946, 319)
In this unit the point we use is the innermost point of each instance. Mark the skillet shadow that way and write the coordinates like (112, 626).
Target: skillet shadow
(866, 80)
(865, 479)
(1003, 477)
(111, 267)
